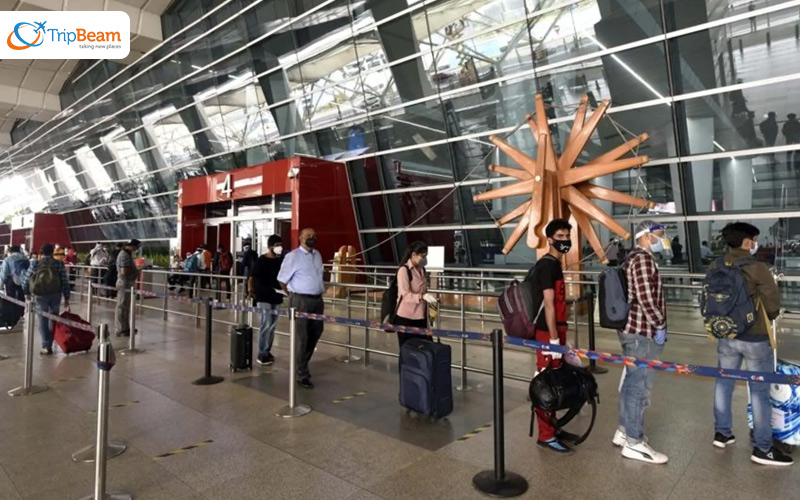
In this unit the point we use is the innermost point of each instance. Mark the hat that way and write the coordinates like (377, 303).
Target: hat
(791, 116)
(645, 227)
(134, 242)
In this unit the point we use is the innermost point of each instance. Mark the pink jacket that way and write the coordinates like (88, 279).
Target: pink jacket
(410, 294)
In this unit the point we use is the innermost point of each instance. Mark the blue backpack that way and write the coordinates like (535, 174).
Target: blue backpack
(18, 268)
(190, 265)
(726, 306)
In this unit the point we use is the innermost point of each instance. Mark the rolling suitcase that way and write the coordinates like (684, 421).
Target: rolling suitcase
(71, 339)
(785, 402)
(241, 348)
(425, 379)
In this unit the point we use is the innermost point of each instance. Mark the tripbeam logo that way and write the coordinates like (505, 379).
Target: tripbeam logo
(65, 35)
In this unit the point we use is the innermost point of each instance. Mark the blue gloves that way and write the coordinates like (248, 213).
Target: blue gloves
(661, 336)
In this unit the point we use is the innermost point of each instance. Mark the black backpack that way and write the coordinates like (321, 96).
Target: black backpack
(389, 302)
(568, 388)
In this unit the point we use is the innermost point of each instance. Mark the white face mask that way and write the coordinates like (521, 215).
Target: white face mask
(277, 250)
(754, 249)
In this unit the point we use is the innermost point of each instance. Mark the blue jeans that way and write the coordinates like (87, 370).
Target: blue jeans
(758, 357)
(48, 304)
(634, 398)
(266, 332)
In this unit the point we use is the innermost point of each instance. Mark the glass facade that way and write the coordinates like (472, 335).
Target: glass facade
(408, 92)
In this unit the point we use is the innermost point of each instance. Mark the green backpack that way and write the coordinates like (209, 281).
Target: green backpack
(46, 280)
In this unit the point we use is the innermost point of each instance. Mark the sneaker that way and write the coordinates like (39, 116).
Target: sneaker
(46, 351)
(265, 360)
(772, 457)
(644, 452)
(305, 383)
(554, 445)
(620, 439)
(721, 440)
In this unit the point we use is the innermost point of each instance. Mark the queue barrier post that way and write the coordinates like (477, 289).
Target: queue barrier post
(132, 349)
(105, 361)
(207, 378)
(593, 363)
(293, 409)
(27, 387)
(499, 482)
(349, 357)
(89, 306)
(464, 384)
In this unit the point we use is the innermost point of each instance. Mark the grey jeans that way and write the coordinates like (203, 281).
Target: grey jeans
(122, 317)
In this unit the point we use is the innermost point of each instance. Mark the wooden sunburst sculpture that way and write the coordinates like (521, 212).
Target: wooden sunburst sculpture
(558, 187)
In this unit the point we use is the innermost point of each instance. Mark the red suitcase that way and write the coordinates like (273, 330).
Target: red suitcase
(70, 339)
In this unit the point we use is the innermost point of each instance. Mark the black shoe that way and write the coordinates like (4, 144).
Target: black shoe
(567, 436)
(721, 440)
(265, 360)
(305, 383)
(554, 445)
(772, 457)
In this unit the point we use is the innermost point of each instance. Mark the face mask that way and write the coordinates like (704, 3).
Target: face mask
(310, 242)
(657, 247)
(423, 262)
(277, 250)
(563, 246)
(754, 249)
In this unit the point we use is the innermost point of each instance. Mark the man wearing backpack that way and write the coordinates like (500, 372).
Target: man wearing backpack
(126, 278)
(14, 267)
(752, 345)
(46, 280)
(643, 336)
(549, 299)
(192, 265)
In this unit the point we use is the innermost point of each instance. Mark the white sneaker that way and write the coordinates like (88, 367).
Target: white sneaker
(644, 453)
(619, 438)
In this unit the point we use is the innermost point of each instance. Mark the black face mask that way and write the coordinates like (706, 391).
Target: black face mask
(310, 242)
(562, 246)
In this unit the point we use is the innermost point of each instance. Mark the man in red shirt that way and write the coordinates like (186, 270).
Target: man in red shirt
(549, 300)
(644, 337)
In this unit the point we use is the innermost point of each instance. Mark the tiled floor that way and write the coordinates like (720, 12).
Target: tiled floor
(365, 447)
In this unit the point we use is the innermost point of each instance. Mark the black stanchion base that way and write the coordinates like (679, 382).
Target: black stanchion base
(598, 370)
(210, 380)
(512, 485)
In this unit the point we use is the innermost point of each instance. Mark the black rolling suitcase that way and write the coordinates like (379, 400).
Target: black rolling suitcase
(241, 348)
(425, 380)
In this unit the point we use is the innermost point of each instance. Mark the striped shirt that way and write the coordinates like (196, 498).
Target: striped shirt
(645, 294)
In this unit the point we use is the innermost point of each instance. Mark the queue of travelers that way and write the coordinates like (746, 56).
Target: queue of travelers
(298, 274)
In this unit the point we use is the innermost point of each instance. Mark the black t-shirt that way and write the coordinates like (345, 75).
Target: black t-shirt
(265, 278)
(545, 275)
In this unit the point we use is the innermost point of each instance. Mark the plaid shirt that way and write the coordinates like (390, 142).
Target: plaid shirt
(645, 294)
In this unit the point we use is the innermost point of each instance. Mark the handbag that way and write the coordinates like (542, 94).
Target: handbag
(567, 387)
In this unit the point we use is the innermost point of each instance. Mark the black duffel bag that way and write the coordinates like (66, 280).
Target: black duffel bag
(567, 387)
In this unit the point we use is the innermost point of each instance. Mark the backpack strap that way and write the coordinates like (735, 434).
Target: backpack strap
(573, 412)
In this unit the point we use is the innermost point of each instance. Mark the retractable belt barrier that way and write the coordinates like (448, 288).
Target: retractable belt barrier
(679, 368)
(53, 317)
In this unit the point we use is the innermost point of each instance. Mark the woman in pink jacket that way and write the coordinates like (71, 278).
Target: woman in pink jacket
(412, 290)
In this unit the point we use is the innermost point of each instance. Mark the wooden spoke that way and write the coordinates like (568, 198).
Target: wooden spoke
(591, 235)
(518, 156)
(516, 189)
(580, 202)
(600, 193)
(619, 151)
(577, 124)
(522, 226)
(511, 172)
(585, 173)
(520, 210)
(575, 145)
